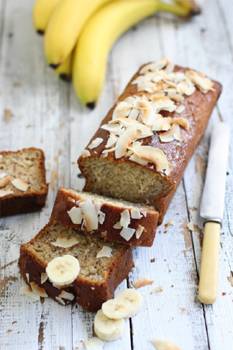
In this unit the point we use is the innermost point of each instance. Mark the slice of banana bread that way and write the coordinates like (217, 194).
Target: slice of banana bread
(112, 220)
(143, 145)
(102, 266)
(23, 185)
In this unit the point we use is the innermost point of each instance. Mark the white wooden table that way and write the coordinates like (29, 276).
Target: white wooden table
(46, 113)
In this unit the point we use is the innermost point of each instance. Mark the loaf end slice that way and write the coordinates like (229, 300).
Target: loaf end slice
(102, 266)
(112, 220)
(23, 185)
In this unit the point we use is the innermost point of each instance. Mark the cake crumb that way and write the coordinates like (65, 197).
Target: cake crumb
(7, 115)
(142, 282)
(157, 290)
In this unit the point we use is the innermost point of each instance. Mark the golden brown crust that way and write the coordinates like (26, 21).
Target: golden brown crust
(198, 108)
(64, 202)
(24, 202)
(90, 295)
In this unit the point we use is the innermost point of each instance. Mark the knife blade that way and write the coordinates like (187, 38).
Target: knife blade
(212, 204)
(212, 208)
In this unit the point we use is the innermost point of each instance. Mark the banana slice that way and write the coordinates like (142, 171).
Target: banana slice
(126, 304)
(94, 344)
(63, 270)
(107, 329)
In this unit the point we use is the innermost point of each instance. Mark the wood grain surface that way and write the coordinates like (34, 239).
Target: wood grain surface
(36, 109)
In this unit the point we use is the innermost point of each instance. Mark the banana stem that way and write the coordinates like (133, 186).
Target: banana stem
(176, 9)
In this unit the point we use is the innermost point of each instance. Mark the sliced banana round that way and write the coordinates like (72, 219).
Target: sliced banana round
(106, 328)
(94, 344)
(63, 270)
(126, 304)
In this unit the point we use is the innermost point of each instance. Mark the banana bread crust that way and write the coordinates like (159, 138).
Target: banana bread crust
(65, 201)
(89, 295)
(25, 202)
(198, 108)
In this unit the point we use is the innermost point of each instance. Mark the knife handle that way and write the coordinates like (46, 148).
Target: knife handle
(207, 291)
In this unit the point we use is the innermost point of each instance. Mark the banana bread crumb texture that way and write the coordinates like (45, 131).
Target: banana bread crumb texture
(23, 185)
(102, 266)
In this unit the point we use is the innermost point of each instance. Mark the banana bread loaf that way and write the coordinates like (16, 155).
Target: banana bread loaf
(102, 266)
(23, 185)
(113, 220)
(143, 145)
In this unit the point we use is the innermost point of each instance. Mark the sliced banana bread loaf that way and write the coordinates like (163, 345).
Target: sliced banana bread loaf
(68, 266)
(143, 145)
(23, 185)
(113, 220)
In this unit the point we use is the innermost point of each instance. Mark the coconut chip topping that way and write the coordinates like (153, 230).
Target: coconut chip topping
(105, 252)
(87, 214)
(139, 116)
(20, 185)
(95, 143)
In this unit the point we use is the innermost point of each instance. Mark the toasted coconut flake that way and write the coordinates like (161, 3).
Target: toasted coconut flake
(1, 157)
(180, 109)
(66, 295)
(161, 123)
(153, 155)
(89, 214)
(20, 185)
(75, 215)
(105, 252)
(154, 66)
(5, 181)
(111, 141)
(171, 135)
(60, 300)
(144, 83)
(200, 80)
(186, 88)
(95, 143)
(121, 110)
(4, 193)
(94, 344)
(125, 140)
(142, 282)
(164, 345)
(125, 218)
(139, 231)
(165, 104)
(64, 242)
(43, 277)
(183, 122)
(115, 129)
(38, 290)
(101, 217)
(143, 130)
(144, 212)
(85, 153)
(117, 226)
(138, 160)
(135, 213)
(127, 233)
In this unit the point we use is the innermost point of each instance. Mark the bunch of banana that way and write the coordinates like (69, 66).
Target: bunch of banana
(79, 35)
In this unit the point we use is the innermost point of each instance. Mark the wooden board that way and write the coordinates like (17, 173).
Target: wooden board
(44, 112)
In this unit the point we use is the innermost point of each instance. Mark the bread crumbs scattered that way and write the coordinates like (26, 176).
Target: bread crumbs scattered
(142, 283)
(157, 290)
(7, 115)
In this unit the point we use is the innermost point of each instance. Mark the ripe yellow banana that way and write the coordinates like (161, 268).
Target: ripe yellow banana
(64, 27)
(98, 36)
(41, 13)
(65, 69)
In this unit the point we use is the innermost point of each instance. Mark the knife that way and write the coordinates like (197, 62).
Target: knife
(212, 207)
